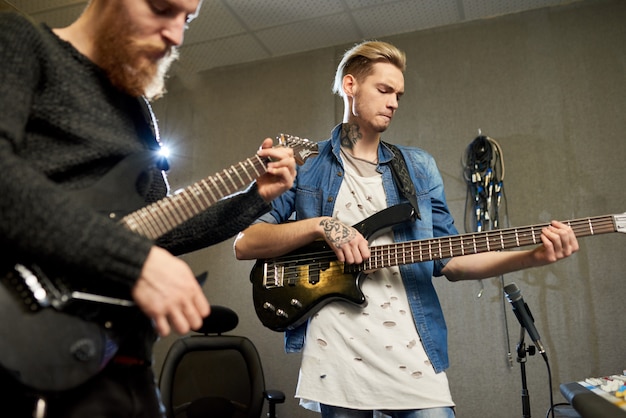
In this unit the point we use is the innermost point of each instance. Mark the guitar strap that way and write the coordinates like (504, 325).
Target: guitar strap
(402, 177)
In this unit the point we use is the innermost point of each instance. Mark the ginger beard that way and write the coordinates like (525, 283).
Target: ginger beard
(136, 67)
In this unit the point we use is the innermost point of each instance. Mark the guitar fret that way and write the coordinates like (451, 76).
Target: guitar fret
(421, 252)
(192, 201)
(184, 208)
(204, 201)
(385, 256)
(395, 256)
(221, 179)
(253, 166)
(171, 208)
(241, 182)
(207, 188)
(215, 199)
(149, 227)
(158, 223)
(404, 252)
(245, 171)
(388, 255)
(231, 179)
(143, 226)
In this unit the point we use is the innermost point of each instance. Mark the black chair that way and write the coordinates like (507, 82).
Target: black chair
(214, 375)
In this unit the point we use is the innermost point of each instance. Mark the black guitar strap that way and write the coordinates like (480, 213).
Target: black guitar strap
(402, 178)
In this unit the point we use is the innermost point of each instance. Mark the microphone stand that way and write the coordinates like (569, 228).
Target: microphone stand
(521, 359)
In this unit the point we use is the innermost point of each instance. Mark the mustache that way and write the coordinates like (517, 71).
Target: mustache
(156, 50)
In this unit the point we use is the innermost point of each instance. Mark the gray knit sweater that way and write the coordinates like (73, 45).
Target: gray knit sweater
(62, 127)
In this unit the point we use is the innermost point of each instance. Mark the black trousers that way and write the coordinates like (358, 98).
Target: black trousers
(119, 391)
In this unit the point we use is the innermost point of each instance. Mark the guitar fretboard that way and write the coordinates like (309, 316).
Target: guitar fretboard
(160, 217)
(472, 243)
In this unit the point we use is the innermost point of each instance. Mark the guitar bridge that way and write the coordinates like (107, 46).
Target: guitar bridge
(273, 275)
(28, 286)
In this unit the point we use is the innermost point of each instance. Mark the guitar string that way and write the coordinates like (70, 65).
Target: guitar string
(150, 223)
(491, 240)
(256, 163)
(380, 254)
(160, 217)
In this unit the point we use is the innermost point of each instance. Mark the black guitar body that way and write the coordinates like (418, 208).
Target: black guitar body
(57, 329)
(58, 341)
(48, 349)
(287, 290)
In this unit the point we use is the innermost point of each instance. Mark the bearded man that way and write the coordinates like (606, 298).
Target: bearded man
(74, 108)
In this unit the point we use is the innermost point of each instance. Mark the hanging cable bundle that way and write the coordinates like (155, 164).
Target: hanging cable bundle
(483, 169)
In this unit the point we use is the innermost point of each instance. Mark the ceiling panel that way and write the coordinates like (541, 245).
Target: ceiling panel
(488, 8)
(264, 14)
(308, 34)
(220, 52)
(228, 32)
(405, 16)
(214, 21)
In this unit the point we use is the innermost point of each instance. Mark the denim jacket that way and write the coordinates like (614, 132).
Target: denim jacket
(313, 194)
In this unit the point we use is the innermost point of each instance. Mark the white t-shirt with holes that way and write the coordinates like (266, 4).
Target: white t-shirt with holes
(368, 357)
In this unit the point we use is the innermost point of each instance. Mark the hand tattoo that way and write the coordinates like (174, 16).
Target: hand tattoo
(337, 233)
(350, 133)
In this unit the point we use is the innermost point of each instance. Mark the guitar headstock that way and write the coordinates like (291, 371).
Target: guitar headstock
(620, 222)
(302, 148)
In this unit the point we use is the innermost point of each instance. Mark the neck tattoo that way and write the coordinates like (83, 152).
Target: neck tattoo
(350, 134)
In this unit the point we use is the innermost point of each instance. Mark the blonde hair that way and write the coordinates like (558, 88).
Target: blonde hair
(359, 60)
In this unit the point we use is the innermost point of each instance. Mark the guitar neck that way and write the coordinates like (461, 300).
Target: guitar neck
(473, 243)
(160, 217)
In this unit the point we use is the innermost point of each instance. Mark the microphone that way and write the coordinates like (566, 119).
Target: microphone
(525, 318)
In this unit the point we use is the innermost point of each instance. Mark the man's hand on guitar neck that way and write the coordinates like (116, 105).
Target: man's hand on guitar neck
(281, 171)
(167, 291)
(558, 241)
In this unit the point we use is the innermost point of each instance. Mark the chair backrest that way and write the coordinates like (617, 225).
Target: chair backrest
(220, 375)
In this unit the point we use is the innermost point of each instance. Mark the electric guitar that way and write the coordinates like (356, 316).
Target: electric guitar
(287, 290)
(55, 333)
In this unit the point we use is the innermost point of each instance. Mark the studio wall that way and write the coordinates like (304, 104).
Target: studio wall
(549, 86)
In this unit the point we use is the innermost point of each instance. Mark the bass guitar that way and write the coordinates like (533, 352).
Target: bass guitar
(287, 290)
(54, 332)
